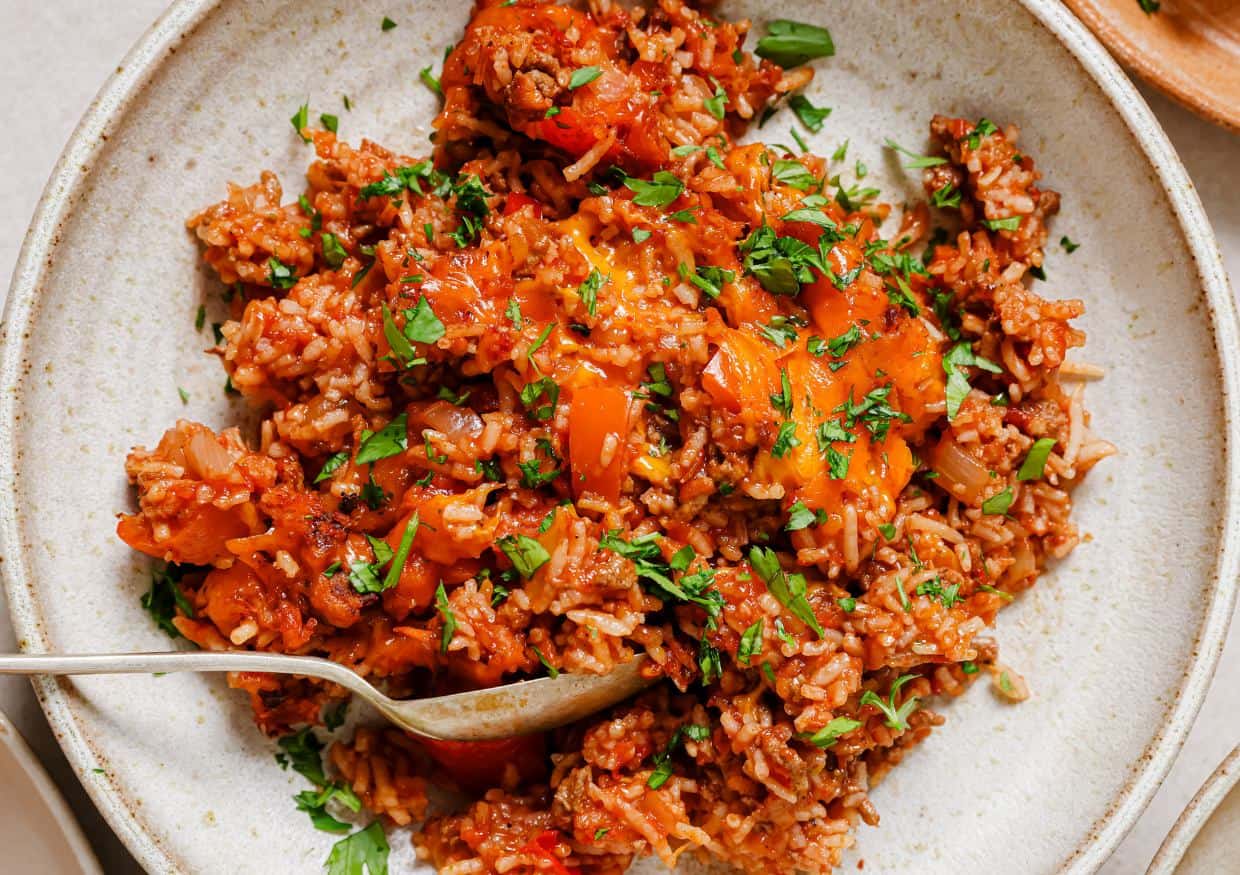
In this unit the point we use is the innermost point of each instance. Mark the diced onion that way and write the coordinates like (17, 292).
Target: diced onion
(959, 473)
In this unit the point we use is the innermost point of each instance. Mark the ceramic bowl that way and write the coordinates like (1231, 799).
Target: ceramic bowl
(1118, 642)
(1206, 838)
(1189, 49)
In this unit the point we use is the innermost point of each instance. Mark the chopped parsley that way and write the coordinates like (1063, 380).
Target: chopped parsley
(708, 278)
(847, 604)
(640, 235)
(540, 398)
(643, 551)
(915, 161)
(1149, 7)
(781, 331)
(333, 253)
(1011, 223)
(329, 122)
(391, 440)
(984, 128)
(526, 554)
(957, 389)
(998, 504)
(829, 734)
(331, 465)
(366, 848)
(873, 411)
(387, 24)
(449, 618)
(751, 643)
(801, 517)
(816, 217)
(709, 661)
(946, 196)
(165, 597)
(588, 290)
(792, 43)
(660, 191)
(897, 717)
(430, 81)
(1068, 245)
(715, 103)
(785, 439)
(783, 401)
(780, 264)
(788, 589)
(934, 588)
(809, 115)
(279, 274)
(552, 671)
(583, 76)
(301, 120)
(513, 313)
(794, 174)
(1035, 462)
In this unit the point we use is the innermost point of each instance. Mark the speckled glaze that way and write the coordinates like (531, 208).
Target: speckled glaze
(1206, 838)
(1118, 643)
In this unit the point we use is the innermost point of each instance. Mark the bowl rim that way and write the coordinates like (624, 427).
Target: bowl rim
(1200, 808)
(141, 63)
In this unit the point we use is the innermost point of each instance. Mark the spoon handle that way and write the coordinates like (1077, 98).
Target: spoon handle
(149, 663)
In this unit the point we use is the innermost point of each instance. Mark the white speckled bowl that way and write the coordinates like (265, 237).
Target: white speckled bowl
(1206, 838)
(1117, 643)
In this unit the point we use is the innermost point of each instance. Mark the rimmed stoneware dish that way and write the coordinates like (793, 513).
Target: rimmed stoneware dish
(1189, 49)
(1206, 837)
(1118, 642)
(34, 816)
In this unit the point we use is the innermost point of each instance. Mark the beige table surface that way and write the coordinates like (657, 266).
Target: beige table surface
(56, 54)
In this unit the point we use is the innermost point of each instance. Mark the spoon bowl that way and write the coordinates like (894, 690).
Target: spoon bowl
(520, 708)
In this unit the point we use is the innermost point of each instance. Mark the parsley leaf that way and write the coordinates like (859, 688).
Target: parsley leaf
(430, 81)
(785, 439)
(811, 116)
(330, 466)
(794, 174)
(444, 608)
(583, 76)
(716, 103)
(897, 717)
(301, 120)
(279, 274)
(545, 389)
(829, 734)
(984, 128)
(1035, 462)
(1068, 245)
(367, 848)
(1011, 223)
(164, 597)
(751, 643)
(788, 589)
(391, 440)
(333, 253)
(588, 290)
(962, 356)
(792, 43)
(917, 161)
(526, 554)
(801, 517)
(664, 188)
(998, 504)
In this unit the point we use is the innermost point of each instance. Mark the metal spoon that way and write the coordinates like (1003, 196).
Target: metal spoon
(498, 712)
